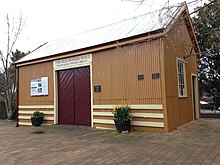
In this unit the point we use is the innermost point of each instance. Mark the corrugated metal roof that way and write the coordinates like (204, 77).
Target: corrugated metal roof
(127, 28)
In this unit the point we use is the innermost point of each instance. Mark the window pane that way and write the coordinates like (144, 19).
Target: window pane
(181, 78)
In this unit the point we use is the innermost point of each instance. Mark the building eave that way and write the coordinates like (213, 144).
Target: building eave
(131, 40)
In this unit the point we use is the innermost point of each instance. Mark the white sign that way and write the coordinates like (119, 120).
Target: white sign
(72, 61)
(39, 86)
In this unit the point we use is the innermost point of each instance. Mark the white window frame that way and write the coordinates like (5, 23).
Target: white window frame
(182, 86)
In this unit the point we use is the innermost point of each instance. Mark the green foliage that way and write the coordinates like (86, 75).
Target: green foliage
(121, 112)
(207, 28)
(15, 56)
(38, 114)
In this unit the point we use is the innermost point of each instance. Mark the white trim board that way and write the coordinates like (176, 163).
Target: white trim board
(29, 123)
(55, 85)
(149, 124)
(91, 87)
(148, 115)
(31, 112)
(36, 106)
(72, 62)
(136, 123)
(28, 117)
(145, 115)
(196, 111)
(102, 121)
(141, 106)
(105, 128)
(69, 67)
(103, 114)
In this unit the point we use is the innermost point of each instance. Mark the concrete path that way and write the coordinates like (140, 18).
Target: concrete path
(195, 143)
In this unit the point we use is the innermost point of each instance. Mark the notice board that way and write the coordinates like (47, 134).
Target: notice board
(39, 86)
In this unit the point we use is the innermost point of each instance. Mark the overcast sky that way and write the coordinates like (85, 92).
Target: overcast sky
(47, 20)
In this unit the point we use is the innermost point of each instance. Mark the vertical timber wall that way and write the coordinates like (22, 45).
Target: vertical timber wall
(116, 71)
(178, 44)
(28, 104)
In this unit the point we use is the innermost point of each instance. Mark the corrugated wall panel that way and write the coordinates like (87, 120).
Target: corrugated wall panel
(178, 44)
(26, 74)
(117, 70)
(28, 104)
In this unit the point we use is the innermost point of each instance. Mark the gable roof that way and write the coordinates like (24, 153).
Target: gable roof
(149, 22)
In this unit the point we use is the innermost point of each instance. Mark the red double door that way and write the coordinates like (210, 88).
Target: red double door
(74, 96)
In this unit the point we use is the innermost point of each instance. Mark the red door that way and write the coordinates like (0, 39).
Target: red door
(66, 97)
(74, 96)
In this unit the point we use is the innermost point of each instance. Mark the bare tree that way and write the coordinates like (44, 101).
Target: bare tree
(7, 86)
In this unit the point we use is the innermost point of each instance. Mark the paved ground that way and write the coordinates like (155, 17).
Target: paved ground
(195, 143)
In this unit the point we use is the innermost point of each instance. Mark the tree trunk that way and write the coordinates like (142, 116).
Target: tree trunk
(9, 115)
(8, 106)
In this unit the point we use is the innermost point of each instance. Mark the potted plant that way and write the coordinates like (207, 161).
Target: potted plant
(37, 118)
(122, 117)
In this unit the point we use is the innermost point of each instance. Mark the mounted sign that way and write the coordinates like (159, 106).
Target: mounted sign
(73, 62)
(39, 86)
(97, 88)
(155, 75)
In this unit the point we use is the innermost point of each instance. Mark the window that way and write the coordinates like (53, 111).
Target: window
(181, 75)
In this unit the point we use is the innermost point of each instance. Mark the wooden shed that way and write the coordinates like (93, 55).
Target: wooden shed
(149, 61)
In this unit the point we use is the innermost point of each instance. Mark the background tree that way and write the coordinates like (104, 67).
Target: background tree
(207, 29)
(12, 74)
(15, 56)
(7, 85)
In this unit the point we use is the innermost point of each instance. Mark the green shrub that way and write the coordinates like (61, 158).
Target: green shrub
(38, 114)
(122, 113)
